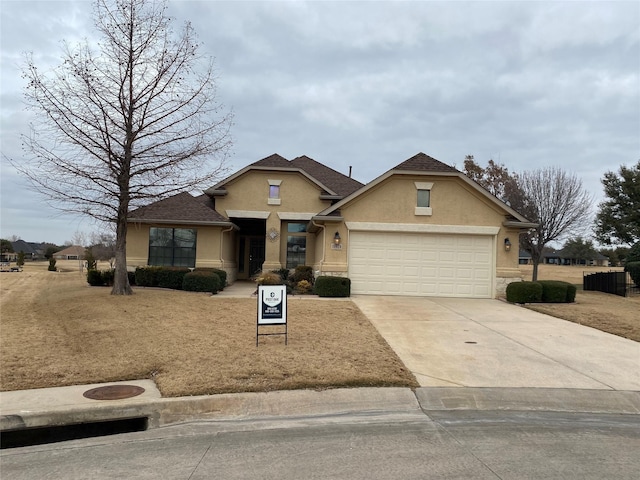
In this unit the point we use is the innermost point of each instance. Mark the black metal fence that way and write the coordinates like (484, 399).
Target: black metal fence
(617, 283)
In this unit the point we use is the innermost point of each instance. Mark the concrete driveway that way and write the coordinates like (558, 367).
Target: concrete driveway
(490, 343)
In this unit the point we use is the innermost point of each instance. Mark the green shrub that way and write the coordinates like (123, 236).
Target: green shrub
(20, 259)
(98, 278)
(147, 276)
(571, 293)
(554, 291)
(132, 278)
(524, 292)
(52, 265)
(202, 281)
(92, 263)
(108, 276)
(332, 286)
(302, 272)
(221, 273)
(171, 277)
(633, 268)
(94, 278)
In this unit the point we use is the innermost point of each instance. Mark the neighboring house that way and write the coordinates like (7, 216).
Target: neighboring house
(555, 257)
(32, 251)
(421, 228)
(74, 252)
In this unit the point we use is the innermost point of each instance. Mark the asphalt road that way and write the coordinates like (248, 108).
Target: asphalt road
(464, 444)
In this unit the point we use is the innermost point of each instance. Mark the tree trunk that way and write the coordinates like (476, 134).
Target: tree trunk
(121, 280)
(534, 277)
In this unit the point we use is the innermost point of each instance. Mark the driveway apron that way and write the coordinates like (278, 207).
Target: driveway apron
(490, 343)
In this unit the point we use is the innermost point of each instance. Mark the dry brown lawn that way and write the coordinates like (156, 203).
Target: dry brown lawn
(609, 313)
(56, 330)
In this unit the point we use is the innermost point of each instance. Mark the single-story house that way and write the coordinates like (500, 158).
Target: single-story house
(562, 257)
(421, 228)
(74, 252)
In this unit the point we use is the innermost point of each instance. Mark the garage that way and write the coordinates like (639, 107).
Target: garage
(421, 264)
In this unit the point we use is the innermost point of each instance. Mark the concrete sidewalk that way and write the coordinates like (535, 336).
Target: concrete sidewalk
(490, 343)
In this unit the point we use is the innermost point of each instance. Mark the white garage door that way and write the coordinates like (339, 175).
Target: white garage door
(423, 264)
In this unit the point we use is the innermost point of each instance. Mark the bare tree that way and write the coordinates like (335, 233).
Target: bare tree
(135, 121)
(557, 202)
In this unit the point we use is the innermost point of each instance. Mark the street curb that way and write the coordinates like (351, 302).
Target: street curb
(529, 399)
(279, 404)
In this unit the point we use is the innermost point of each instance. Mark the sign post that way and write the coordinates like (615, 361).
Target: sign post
(272, 309)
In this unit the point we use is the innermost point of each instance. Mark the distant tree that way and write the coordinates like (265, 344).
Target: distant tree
(5, 246)
(618, 217)
(50, 251)
(134, 120)
(612, 255)
(495, 178)
(103, 246)
(90, 260)
(557, 202)
(579, 249)
(20, 259)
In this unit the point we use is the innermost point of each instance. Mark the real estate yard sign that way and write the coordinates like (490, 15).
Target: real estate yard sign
(272, 309)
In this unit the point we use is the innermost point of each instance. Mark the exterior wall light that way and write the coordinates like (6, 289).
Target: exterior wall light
(507, 245)
(336, 238)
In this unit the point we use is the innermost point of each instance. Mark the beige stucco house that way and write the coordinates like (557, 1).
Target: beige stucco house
(421, 228)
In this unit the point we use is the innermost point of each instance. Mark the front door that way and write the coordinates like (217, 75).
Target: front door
(256, 255)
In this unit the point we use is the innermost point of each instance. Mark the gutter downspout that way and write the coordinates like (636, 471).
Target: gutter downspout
(221, 244)
(324, 232)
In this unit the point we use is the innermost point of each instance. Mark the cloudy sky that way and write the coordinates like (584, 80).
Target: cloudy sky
(370, 84)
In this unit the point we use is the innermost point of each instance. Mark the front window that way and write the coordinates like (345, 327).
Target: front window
(274, 192)
(424, 197)
(296, 244)
(172, 247)
(423, 202)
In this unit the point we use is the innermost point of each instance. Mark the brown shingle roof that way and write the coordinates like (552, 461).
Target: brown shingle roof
(273, 160)
(336, 181)
(182, 207)
(424, 163)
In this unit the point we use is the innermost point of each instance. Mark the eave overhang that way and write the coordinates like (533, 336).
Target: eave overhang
(520, 225)
(182, 222)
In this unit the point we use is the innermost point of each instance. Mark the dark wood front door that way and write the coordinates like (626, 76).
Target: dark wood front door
(256, 255)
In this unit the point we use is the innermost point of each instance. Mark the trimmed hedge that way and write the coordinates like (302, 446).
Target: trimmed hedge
(545, 291)
(100, 278)
(571, 293)
(553, 291)
(147, 276)
(524, 292)
(202, 281)
(221, 274)
(171, 277)
(633, 268)
(332, 286)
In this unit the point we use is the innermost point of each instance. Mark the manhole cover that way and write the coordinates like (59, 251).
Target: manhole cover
(113, 392)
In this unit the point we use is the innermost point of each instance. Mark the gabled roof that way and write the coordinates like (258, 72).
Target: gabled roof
(424, 164)
(180, 208)
(332, 183)
(338, 182)
(76, 250)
